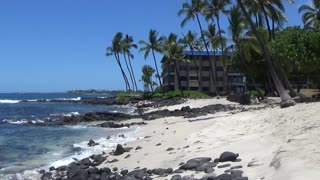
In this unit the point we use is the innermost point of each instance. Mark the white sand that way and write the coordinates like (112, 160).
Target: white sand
(282, 144)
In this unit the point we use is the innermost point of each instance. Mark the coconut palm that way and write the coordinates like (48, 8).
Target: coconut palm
(311, 15)
(173, 52)
(147, 73)
(127, 45)
(213, 41)
(194, 44)
(191, 12)
(153, 46)
(214, 8)
(115, 49)
(237, 26)
(266, 9)
(285, 97)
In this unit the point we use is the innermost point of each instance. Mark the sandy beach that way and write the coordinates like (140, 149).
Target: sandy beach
(273, 143)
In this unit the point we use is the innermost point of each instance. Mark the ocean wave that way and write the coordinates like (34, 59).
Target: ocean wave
(9, 101)
(65, 114)
(66, 99)
(105, 145)
(24, 121)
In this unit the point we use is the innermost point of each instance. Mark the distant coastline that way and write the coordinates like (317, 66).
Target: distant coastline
(94, 91)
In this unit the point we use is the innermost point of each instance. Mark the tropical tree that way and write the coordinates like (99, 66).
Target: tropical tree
(265, 11)
(214, 41)
(191, 41)
(243, 44)
(115, 49)
(192, 11)
(153, 46)
(147, 73)
(285, 97)
(173, 52)
(311, 15)
(127, 44)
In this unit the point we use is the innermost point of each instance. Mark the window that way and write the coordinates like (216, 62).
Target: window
(192, 68)
(183, 78)
(205, 78)
(219, 68)
(220, 79)
(206, 68)
(193, 78)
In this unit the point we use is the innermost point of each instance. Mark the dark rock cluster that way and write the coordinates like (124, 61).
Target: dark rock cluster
(86, 169)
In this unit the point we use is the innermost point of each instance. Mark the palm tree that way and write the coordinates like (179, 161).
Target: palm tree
(147, 73)
(273, 9)
(173, 52)
(237, 26)
(154, 45)
(127, 45)
(192, 11)
(311, 15)
(115, 50)
(193, 43)
(285, 97)
(214, 41)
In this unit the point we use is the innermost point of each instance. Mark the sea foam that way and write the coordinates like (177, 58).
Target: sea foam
(9, 101)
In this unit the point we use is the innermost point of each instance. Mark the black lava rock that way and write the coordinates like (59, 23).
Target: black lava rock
(228, 156)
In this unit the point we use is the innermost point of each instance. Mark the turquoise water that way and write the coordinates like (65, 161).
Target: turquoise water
(24, 147)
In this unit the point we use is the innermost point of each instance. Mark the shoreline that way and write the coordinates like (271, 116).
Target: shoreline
(166, 142)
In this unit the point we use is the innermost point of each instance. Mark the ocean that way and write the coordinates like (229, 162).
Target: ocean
(25, 149)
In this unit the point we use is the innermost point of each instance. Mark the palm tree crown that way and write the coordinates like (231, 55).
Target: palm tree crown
(311, 15)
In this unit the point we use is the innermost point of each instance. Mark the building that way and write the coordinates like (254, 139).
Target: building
(188, 72)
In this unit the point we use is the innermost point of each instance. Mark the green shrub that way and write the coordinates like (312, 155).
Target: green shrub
(255, 92)
(171, 94)
(127, 95)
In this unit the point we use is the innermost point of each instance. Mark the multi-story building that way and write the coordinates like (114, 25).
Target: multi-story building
(199, 64)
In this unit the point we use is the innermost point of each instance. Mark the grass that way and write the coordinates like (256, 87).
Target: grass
(127, 95)
(189, 94)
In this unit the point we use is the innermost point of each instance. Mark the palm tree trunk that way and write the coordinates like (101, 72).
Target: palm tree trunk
(292, 92)
(134, 78)
(159, 77)
(204, 42)
(273, 27)
(222, 57)
(195, 65)
(178, 76)
(267, 21)
(125, 60)
(122, 72)
(285, 97)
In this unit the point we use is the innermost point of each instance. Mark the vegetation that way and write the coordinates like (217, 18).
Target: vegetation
(147, 74)
(269, 55)
(171, 94)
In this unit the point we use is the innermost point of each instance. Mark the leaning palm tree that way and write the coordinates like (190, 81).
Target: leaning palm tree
(193, 43)
(153, 45)
(191, 12)
(311, 15)
(173, 52)
(237, 26)
(285, 97)
(127, 45)
(115, 50)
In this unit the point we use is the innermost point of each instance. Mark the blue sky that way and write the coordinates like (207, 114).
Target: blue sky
(53, 46)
